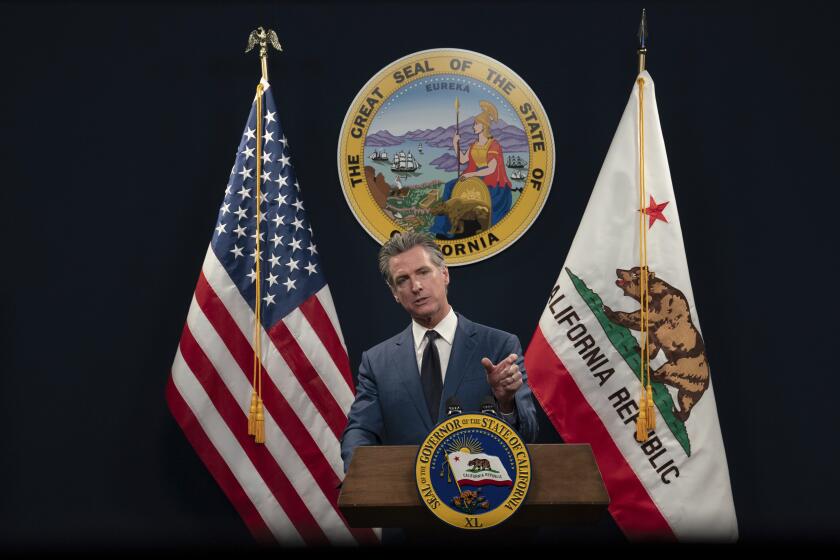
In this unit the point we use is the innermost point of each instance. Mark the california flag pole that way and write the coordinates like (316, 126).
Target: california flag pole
(667, 474)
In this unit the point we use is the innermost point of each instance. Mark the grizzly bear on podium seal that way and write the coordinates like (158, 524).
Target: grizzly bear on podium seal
(670, 330)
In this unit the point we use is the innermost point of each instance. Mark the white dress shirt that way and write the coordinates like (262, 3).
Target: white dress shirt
(446, 329)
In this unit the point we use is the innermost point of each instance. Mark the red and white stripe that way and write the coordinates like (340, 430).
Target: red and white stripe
(286, 490)
(573, 417)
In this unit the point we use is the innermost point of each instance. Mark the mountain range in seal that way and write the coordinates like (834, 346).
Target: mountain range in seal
(511, 138)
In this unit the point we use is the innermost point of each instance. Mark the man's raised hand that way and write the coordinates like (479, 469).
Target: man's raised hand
(504, 379)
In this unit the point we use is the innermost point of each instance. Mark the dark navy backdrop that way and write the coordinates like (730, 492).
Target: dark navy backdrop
(119, 126)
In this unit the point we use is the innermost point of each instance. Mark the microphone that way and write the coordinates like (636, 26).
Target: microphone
(488, 406)
(453, 407)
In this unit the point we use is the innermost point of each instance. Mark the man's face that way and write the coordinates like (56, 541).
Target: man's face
(420, 286)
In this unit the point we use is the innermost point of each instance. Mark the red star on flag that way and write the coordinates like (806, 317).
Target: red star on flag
(654, 211)
(457, 459)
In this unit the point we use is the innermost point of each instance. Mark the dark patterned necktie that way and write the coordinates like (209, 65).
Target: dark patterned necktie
(430, 376)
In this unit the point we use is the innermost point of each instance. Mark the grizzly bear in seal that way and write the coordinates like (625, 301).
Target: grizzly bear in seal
(670, 330)
(479, 464)
(459, 210)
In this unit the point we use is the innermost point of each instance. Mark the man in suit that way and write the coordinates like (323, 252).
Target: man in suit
(405, 382)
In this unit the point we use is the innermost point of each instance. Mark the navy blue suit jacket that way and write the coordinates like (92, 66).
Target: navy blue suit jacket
(390, 408)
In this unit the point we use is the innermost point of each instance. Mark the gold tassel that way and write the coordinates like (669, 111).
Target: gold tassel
(252, 415)
(259, 432)
(641, 422)
(651, 411)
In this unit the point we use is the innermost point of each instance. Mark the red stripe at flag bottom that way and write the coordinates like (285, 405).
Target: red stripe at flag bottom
(576, 422)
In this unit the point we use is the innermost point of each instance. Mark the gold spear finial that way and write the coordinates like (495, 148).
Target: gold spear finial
(643, 34)
(263, 37)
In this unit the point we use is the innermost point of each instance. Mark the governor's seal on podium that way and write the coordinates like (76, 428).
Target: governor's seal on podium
(448, 142)
(473, 471)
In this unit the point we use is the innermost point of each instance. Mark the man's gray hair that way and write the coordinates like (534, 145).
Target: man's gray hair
(402, 242)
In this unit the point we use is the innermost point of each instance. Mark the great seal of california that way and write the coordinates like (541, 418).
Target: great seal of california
(449, 142)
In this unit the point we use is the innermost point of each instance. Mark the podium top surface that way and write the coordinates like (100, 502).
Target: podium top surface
(380, 490)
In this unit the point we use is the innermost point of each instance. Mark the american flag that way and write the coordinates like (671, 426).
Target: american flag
(286, 490)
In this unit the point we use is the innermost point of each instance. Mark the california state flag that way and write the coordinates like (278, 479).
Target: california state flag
(478, 469)
(584, 360)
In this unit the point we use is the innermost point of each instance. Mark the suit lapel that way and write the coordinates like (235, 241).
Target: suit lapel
(463, 354)
(410, 375)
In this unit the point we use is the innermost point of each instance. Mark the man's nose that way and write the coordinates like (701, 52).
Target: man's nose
(416, 286)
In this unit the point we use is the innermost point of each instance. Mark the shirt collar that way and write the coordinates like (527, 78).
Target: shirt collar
(446, 329)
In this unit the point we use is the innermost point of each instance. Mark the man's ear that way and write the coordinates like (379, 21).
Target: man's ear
(445, 272)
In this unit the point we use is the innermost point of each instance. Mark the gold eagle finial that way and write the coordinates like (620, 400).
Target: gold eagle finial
(263, 37)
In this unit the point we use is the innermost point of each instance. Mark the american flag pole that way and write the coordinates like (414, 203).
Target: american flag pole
(259, 416)
(256, 418)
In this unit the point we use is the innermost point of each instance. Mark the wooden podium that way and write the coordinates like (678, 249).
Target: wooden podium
(380, 491)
